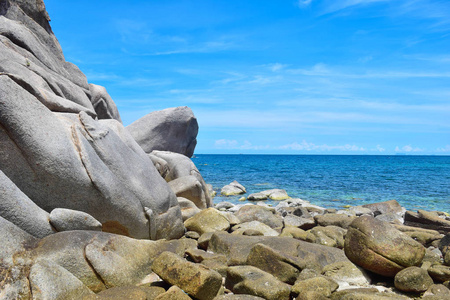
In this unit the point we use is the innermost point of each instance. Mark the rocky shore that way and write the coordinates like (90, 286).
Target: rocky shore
(90, 209)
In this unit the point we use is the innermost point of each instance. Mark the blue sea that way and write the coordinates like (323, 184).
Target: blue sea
(335, 181)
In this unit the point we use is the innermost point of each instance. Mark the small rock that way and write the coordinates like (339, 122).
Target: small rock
(192, 235)
(195, 279)
(208, 220)
(439, 272)
(254, 225)
(253, 281)
(257, 197)
(224, 204)
(234, 188)
(340, 220)
(413, 279)
(174, 293)
(320, 285)
(346, 273)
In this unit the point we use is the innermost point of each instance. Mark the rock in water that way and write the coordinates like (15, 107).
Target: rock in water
(379, 247)
(54, 148)
(172, 129)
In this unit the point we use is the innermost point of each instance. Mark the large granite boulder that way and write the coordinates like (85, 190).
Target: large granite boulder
(172, 129)
(54, 148)
(379, 247)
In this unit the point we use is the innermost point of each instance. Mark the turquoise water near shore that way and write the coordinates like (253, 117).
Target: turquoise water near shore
(334, 181)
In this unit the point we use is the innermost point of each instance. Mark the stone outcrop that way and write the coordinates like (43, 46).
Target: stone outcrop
(171, 129)
(56, 146)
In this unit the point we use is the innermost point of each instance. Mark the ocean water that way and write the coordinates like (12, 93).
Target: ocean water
(335, 181)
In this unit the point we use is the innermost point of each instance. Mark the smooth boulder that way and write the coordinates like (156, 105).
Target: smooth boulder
(172, 129)
(379, 247)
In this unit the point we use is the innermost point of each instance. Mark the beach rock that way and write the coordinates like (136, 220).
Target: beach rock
(257, 226)
(317, 286)
(237, 248)
(77, 163)
(172, 129)
(331, 236)
(208, 220)
(51, 281)
(234, 188)
(345, 273)
(340, 220)
(366, 294)
(413, 279)
(257, 197)
(248, 213)
(180, 166)
(276, 194)
(188, 208)
(438, 290)
(284, 267)
(103, 104)
(444, 244)
(390, 206)
(128, 293)
(173, 293)
(300, 222)
(224, 205)
(360, 211)
(17, 208)
(237, 297)
(67, 219)
(424, 236)
(190, 188)
(293, 211)
(427, 220)
(253, 281)
(379, 247)
(294, 232)
(439, 272)
(195, 279)
(231, 218)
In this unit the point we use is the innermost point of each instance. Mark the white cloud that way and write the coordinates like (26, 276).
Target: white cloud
(379, 149)
(444, 149)
(304, 145)
(225, 144)
(277, 67)
(304, 3)
(408, 148)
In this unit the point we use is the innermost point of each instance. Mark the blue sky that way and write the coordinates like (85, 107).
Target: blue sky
(288, 77)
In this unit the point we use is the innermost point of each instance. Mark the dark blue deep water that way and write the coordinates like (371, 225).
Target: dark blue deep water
(335, 181)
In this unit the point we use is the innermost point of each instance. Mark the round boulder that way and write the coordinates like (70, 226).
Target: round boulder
(379, 247)
(413, 279)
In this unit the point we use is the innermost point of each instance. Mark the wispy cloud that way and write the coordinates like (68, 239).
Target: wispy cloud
(408, 148)
(444, 149)
(305, 146)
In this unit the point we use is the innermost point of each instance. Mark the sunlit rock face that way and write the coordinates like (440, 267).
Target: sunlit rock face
(62, 143)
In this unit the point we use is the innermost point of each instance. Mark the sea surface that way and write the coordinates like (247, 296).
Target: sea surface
(335, 181)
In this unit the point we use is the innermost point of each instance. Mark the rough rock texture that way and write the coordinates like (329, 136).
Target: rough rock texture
(184, 177)
(248, 213)
(67, 219)
(413, 279)
(234, 188)
(208, 220)
(54, 148)
(379, 247)
(172, 129)
(195, 279)
(251, 280)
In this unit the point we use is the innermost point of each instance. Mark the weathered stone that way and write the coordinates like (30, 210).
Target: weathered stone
(346, 273)
(17, 208)
(237, 249)
(331, 236)
(295, 211)
(428, 220)
(253, 281)
(103, 104)
(300, 222)
(231, 218)
(67, 219)
(224, 205)
(181, 166)
(192, 235)
(423, 236)
(190, 188)
(188, 208)
(297, 233)
(234, 188)
(203, 241)
(360, 210)
(51, 281)
(340, 220)
(238, 297)
(390, 206)
(276, 194)
(379, 247)
(257, 197)
(172, 129)
(208, 220)
(320, 285)
(128, 293)
(194, 279)
(198, 255)
(366, 294)
(413, 279)
(439, 272)
(174, 293)
(284, 267)
(439, 290)
(256, 226)
(248, 213)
